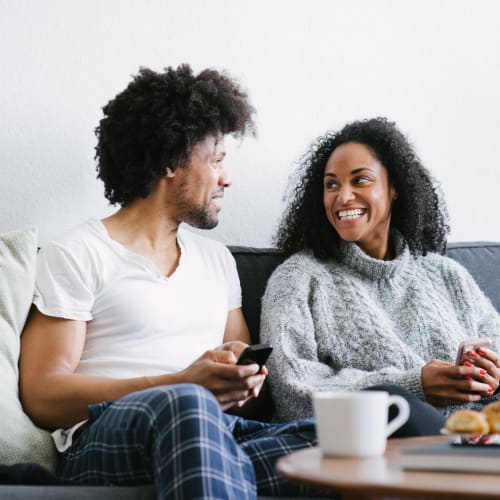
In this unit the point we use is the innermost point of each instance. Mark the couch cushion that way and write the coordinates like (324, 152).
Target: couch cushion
(20, 439)
(255, 266)
(482, 260)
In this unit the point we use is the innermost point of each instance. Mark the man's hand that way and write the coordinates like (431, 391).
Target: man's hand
(217, 370)
(238, 347)
(234, 346)
(444, 383)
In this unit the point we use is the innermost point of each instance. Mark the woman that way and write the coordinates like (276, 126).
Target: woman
(366, 296)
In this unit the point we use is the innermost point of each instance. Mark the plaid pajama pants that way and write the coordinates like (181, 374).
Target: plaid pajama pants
(178, 438)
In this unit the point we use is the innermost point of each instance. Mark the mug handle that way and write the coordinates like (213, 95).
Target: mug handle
(403, 415)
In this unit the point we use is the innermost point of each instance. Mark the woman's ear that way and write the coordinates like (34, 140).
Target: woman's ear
(394, 193)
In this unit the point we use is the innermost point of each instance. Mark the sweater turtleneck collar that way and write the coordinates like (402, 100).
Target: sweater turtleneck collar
(352, 256)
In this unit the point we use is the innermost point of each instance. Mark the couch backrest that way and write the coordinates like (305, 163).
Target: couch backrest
(255, 265)
(482, 260)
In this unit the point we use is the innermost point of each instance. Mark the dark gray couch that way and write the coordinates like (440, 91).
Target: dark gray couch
(255, 266)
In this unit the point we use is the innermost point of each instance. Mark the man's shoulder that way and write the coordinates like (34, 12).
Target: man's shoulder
(77, 238)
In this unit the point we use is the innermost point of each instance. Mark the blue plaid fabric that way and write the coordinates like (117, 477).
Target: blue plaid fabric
(178, 438)
(265, 443)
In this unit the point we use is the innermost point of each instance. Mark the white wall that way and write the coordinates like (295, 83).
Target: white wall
(433, 66)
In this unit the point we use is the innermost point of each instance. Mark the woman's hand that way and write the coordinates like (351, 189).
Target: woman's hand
(487, 361)
(444, 383)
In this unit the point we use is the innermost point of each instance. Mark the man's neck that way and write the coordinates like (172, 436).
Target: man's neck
(146, 232)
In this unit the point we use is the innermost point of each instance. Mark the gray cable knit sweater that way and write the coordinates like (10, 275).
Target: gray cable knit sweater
(362, 321)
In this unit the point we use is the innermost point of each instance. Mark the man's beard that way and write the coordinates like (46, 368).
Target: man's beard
(201, 218)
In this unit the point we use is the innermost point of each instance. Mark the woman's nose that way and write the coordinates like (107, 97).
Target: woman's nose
(346, 194)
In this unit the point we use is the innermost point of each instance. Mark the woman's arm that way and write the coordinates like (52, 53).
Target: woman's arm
(310, 352)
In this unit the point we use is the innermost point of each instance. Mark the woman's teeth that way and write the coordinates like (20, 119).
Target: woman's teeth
(351, 214)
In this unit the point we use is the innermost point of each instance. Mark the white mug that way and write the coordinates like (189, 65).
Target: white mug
(355, 423)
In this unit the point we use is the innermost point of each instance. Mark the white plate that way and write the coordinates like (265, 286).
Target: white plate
(472, 438)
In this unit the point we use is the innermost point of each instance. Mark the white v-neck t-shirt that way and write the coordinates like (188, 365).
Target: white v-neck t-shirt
(139, 322)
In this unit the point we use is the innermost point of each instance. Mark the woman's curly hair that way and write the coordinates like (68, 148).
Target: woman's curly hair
(157, 120)
(418, 212)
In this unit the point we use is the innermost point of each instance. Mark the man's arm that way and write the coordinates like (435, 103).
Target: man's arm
(236, 327)
(51, 393)
(55, 396)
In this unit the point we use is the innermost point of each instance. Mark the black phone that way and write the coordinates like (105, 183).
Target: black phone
(257, 353)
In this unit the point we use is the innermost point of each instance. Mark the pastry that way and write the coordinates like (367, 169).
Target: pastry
(492, 412)
(467, 422)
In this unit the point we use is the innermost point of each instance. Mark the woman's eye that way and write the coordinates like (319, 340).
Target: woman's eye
(361, 180)
(330, 185)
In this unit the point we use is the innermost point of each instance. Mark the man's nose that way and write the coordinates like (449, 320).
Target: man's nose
(225, 179)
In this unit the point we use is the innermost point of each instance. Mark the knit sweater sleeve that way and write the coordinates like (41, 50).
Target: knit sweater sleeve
(293, 321)
(474, 308)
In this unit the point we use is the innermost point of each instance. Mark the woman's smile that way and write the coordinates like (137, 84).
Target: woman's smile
(357, 197)
(351, 214)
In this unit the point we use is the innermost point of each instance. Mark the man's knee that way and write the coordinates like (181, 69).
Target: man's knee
(163, 404)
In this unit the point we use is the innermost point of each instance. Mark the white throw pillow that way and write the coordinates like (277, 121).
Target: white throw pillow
(20, 439)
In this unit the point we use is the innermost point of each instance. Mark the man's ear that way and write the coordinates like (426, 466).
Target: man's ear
(169, 172)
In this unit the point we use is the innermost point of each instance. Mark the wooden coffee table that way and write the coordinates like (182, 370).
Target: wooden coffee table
(374, 478)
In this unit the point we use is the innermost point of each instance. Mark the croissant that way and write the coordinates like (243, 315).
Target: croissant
(492, 413)
(468, 422)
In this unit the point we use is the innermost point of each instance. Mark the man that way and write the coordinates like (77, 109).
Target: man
(120, 353)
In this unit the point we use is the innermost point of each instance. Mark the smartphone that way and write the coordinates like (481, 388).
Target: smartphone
(470, 345)
(257, 353)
